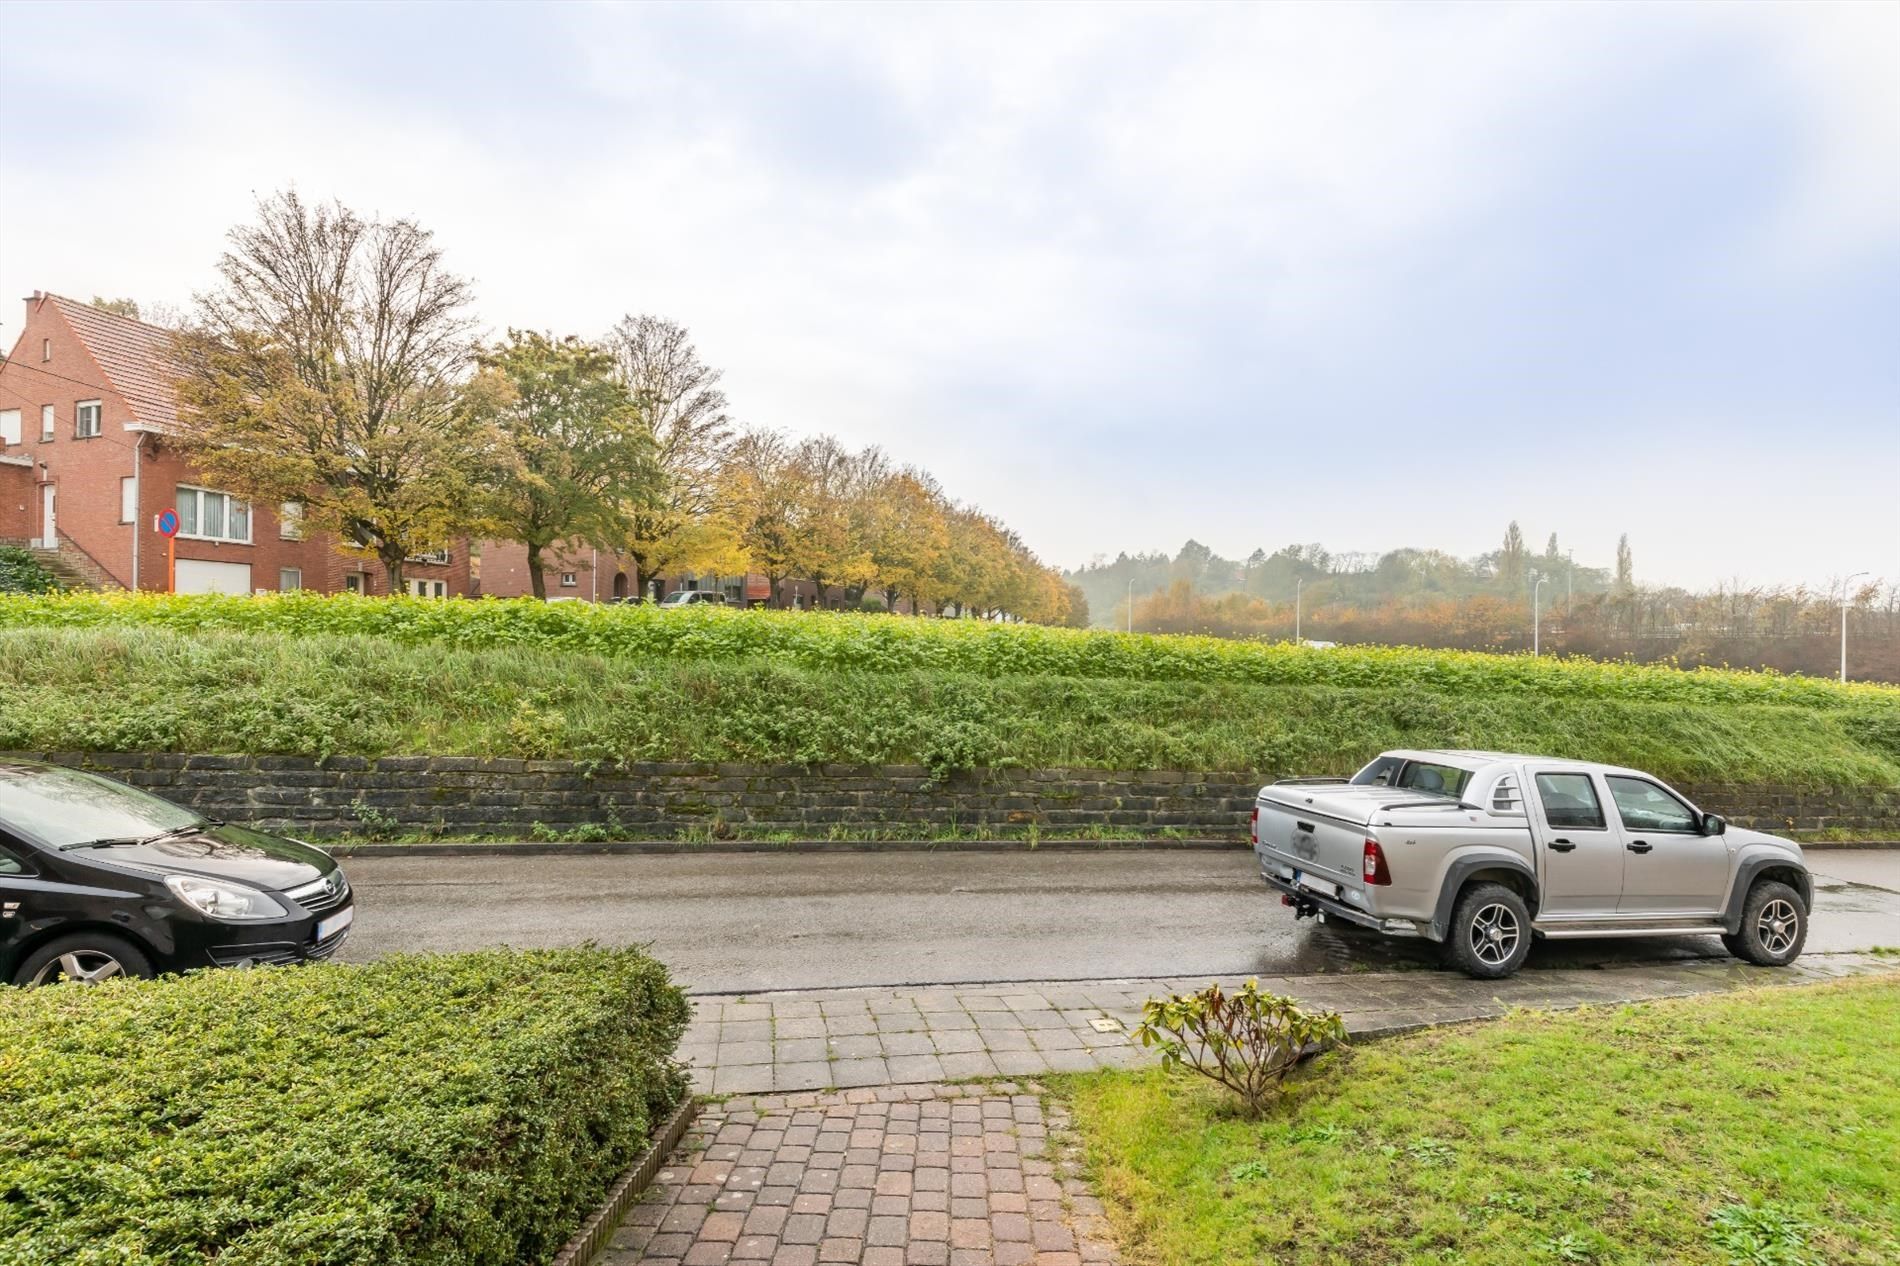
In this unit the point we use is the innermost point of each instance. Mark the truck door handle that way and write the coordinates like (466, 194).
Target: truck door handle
(1638, 846)
(1561, 846)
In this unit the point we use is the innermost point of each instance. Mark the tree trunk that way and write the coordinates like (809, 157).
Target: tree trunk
(392, 567)
(535, 578)
(890, 600)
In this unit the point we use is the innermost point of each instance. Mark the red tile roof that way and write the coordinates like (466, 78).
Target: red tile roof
(133, 354)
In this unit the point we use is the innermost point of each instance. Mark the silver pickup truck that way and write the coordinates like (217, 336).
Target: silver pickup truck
(1481, 851)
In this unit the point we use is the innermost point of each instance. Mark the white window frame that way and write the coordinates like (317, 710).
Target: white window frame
(198, 515)
(290, 521)
(10, 425)
(285, 572)
(49, 420)
(426, 588)
(570, 580)
(128, 498)
(46, 350)
(79, 419)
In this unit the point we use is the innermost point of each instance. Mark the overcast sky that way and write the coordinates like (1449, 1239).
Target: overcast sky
(1367, 275)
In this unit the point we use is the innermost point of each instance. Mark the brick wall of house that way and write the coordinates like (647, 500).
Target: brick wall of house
(466, 797)
(86, 475)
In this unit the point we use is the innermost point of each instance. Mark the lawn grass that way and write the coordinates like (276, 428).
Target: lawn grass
(1607, 1136)
(133, 686)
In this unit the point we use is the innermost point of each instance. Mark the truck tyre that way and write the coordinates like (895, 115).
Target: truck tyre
(1490, 934)
(1774, 926)
(83, 958)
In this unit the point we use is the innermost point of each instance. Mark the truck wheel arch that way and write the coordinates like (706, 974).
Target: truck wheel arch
(1500, 868)
(1754, 869)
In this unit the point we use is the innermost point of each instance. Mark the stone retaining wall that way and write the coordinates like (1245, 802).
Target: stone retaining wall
(467, 797)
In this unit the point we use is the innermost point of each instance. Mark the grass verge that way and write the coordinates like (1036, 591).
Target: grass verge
(1756, 1128)
(162, 687)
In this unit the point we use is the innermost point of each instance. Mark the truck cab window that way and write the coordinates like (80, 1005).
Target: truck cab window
(1570, 801)
(1437, 780)
(1644, 806)
(1379, 773)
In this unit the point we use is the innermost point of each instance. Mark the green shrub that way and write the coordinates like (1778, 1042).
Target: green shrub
(1246, 1041)
(20, 572)
(457, 1110)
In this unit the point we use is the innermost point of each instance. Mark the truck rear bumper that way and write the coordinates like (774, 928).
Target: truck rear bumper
(1339, 909)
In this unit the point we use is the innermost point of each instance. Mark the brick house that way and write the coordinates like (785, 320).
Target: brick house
(86, 465)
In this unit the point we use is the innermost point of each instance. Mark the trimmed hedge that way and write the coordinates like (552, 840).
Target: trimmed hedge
(460, 1110)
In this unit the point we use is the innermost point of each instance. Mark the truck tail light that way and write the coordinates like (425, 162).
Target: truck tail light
(1253, 825)
(1375, 871)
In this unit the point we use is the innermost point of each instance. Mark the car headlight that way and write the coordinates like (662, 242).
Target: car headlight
(218, 899)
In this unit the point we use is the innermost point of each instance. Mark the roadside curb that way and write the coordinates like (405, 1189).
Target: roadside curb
(643, 848)
(604, 1221)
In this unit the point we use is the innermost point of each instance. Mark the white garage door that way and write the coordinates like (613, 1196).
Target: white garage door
(195, 576)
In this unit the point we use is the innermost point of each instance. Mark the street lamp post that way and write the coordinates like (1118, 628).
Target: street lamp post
(1298, 584)
(1537, 642)
(1844, 586)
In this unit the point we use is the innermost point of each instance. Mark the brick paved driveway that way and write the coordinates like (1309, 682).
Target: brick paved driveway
(929, 1175)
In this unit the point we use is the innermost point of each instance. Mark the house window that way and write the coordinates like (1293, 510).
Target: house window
(128, 498)
(205, 515)
(353, 583)
(46, 424)
(86, 419)
(569, 580)
(429, 588)
(434, 558)
(9, 426)
(46, 349)
(290, 521)
(289, 578)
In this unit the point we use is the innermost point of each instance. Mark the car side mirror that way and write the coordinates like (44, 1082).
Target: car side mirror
(1714, 824)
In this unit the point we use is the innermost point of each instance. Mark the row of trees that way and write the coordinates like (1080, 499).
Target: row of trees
(336, 365)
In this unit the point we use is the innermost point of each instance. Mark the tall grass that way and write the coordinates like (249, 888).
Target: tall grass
(872, 643)
(150, 686)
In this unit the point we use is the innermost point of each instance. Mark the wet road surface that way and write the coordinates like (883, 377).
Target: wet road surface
(750, 922)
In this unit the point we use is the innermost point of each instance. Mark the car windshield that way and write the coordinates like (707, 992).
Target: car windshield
(679, 599)
(61, 807)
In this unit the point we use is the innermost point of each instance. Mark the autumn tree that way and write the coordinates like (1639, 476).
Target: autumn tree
(677, 524)
(578, 456)
(327, 369)
(760, 490)
(907, 535)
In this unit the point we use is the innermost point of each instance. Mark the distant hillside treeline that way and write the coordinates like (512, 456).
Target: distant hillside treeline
(1429, 598)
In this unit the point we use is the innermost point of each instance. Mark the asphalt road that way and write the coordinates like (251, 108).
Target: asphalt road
(752, 922)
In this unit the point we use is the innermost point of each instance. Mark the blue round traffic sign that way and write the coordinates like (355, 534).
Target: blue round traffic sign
(167, 524)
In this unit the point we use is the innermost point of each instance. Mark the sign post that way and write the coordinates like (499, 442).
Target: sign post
(166, 525)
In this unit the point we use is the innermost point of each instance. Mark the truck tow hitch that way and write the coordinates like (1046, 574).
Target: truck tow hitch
(1302, 908)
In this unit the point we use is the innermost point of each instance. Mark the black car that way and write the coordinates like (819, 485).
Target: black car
(98, 879)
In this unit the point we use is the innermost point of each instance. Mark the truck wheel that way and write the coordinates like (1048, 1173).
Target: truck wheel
(1490, 933)
(83, 958)
(1774, 926)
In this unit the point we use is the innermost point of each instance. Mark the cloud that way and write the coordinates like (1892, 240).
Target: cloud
(1106, 270)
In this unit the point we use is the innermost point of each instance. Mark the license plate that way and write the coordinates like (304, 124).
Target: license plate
(1324, 887)
(336, 923)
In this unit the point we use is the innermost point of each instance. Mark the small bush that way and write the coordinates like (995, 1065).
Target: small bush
(1247, 1041)
(20, 572)
(463, 1110)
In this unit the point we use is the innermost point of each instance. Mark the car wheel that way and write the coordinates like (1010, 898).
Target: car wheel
(1774, 926)
(1490, 932)
(84, 958)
